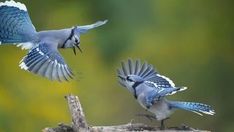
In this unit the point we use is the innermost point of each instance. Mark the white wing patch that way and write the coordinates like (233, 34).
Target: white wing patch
(12, 3)
(23, 66)
(25, 46)
(153, 83)
(168, 79)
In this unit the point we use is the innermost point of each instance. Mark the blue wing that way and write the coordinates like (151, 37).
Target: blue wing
(162, 81)
(163, 86)
(135, 67)
(160, 91)
(15, 23)
(45, 60)
(84, 29)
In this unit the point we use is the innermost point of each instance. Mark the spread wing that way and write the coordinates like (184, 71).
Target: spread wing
(134, 67)
(45, 60)
(162, 81)
(146, 71)
(15, 23)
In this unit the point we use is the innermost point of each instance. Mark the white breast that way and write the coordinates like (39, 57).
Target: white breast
(161, 110)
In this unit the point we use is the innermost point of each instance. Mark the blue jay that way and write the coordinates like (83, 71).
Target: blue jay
(43, 58)
(150, 89)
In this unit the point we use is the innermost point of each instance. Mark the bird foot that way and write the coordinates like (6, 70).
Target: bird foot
(162, 127)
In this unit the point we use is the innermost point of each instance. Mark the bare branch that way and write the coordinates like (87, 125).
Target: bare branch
(79, 123)
(78, 118)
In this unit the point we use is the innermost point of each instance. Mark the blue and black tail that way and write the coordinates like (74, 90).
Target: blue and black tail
(198, 108)
(15, 23)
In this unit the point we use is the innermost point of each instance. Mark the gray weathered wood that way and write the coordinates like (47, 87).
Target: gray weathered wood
(79, 123)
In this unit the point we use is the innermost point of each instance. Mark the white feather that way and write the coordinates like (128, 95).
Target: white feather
(183, 88)
(197, 113)
(210, 112)
(155, 84)
(25, 46)
(23, 66)
(14, 4)
(41, 53)
(168, 79)
(56, 62)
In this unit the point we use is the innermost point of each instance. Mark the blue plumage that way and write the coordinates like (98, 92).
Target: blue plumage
(46, 61)
(198, 108)
(150, 89)
(162, 81)
(16, 26)
(43, 57)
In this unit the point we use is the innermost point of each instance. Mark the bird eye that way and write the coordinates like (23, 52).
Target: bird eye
(129, 79)
(76, 40)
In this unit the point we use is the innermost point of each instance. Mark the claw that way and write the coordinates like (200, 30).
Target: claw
(162, 127)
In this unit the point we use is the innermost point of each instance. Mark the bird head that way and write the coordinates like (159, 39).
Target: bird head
(73, 40)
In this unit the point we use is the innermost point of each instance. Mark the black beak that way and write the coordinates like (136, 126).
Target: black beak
(74, 50)
(123, 78)
(79, 48)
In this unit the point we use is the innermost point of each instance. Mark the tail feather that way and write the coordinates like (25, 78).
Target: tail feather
(197, 108)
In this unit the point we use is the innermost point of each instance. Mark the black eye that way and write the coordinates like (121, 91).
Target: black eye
(76, 40)
(129, 79)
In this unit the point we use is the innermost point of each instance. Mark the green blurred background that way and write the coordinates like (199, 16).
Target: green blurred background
(190, 41)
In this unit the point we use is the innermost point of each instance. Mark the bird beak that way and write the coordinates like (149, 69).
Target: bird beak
(123, 78)
(74, 50)
(79, 48)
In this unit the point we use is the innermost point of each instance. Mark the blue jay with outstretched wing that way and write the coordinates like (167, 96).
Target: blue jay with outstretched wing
(150, 89)
(43, 58)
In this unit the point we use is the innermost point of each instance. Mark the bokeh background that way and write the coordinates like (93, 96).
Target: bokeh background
(190, 41)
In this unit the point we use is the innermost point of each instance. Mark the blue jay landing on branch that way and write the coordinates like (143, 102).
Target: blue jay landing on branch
(43, 57)
(150, 89)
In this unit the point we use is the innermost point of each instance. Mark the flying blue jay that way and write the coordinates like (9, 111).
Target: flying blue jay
(150, 89)
(43, 58)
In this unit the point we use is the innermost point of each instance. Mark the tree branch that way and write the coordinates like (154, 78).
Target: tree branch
(79, 123)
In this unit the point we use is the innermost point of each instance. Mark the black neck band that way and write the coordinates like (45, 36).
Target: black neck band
(134, 88)
(70, 37)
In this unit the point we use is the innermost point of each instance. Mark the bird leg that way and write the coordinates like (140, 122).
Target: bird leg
(162, 127)
(150, 117)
